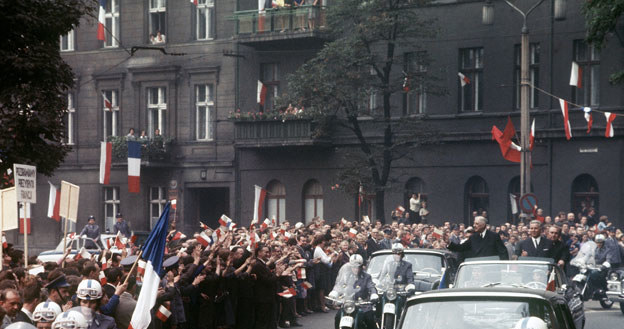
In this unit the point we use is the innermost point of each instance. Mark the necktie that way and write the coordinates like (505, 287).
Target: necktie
(535, 242)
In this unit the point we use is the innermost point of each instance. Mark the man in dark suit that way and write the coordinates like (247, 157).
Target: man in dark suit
(559, 251)
(265, 289)
(535, 245)
(482, 243)
(372, 244)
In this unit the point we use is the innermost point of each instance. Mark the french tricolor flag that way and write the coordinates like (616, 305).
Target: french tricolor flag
(226, 222)
(204, 239)
(134, 167)
(54, 203)
(153, 254)
(106, 153)
(101, 21)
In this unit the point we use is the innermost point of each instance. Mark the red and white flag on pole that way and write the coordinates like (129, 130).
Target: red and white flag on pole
(102, 278)
(437, 233)
(566, 118)
(174, 203)
(24, 213)
(399, 211)
(532, 135)
(551, 281)
(106, 153)
(609, 132)
(406, 87)
(589, 118)
(141, 267)
(352, 232)
(203, 226)
(288, 293)
(464, 80)
(118, 242)
(108, 105)
(262, 92)
(163, 313)
(82, 253)
(178, 235)
(259, 195)
(265, 224)
(576, 75)
(54, 203)
(101, 20)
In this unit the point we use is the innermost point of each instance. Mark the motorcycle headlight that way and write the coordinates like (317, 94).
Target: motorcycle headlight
(349, 307)
(391, 294)
(583, 270)
(613, 276)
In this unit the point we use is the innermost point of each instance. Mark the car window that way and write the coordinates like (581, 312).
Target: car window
(514, 274)
(477, 313)
(426, 263)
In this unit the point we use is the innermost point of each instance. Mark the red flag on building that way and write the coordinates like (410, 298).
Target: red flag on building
(609, 132)
(54, 203)
(589, 118)
(566, 118)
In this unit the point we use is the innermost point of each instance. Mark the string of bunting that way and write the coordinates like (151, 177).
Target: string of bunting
(565, 107)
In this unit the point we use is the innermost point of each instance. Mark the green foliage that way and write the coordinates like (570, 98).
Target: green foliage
(35, 81)
(367, 56)
(602, 18)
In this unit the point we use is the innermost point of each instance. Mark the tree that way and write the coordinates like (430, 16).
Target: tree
(35, 81)
(365, 57)
(603, 18)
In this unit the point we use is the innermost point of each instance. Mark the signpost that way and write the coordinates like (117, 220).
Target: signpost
(528, 202)
(9, 213)
(26, 192)
(68, 206)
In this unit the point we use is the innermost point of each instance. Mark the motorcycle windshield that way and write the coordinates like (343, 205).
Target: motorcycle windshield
(387, 276)
(345, 282)
(85, 311)
(585, 255)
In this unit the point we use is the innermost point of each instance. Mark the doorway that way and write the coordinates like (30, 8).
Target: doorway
(207, 205)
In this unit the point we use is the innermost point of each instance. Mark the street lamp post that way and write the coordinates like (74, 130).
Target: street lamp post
(488, 18)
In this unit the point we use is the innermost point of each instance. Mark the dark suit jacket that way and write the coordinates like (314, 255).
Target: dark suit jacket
(372, 246)
(543, 249)
(22, 317)
(265, 287)
(560, 251)
(476, 246)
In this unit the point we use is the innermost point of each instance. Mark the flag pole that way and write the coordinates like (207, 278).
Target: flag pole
(133, 266)
(26, 214)
(64, 241)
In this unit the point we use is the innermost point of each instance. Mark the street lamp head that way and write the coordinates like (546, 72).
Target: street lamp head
(488, 13)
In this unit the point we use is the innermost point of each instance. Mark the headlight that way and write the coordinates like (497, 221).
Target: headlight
(613, 287)
(349, 307)
(583, 270)
(391, 294)
(613, 276)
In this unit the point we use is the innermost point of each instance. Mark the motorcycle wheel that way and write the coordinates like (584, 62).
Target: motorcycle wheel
(606, 304)
(622, 307)
(388, 321)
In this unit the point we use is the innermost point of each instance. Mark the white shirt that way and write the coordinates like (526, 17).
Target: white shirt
(319, 253)
(414, 204)
(536, 241)
(27, 312)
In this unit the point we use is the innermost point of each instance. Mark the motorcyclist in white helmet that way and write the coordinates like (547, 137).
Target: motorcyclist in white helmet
(89, 293)
(70, 320)
(353, 284)
(45, 313)
(603, 257)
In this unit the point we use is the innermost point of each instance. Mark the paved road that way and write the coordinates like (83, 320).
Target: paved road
(597, 318)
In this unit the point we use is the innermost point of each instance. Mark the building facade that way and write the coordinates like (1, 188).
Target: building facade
(182, 71)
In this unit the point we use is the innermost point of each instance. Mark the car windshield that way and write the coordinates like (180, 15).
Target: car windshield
(422, 264)
(507, 274)
(476, 313)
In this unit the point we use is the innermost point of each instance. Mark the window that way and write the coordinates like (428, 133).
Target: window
(110, 105)
(312, 200)
(534, 61)
(373, 94)
(415, 96)
(111, 207)
(158, 200)
(270, 78)
(204, 112)
(157, 21)
(156, 110)
(471, 65)
(477, 198)
(585, 195)
(71, 225)
(276, 201)
(416, 186)
(67, 41)
(205, 24)
(588, 59)
(69, 119)
(111, 19)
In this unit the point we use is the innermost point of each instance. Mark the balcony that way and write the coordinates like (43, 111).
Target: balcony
(275, 133)
(155, 151)
(284, 28)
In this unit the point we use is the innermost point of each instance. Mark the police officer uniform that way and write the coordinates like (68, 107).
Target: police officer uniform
(92, 231)
(122, 226)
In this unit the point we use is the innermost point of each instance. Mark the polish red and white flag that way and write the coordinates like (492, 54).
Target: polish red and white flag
(566, 118)
(163, 313)
(589, 118)
(54, 203)
(609, 131)
(464, 80)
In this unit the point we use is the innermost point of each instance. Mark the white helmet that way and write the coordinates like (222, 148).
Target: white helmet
(46, 312)
(356, 260)
(599, 238)
(70, 320)
(531, 323)
(21, 325)
(89, 290)
(398, 248)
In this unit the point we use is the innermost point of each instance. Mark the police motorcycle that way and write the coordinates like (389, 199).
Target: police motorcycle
(355, 293)
(396, 283)
(585, 280)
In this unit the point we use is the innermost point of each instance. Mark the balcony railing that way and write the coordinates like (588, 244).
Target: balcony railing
(156, 149)
(272, 133)
(279, 20)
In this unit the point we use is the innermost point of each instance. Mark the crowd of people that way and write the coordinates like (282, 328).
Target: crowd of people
(265, 275)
